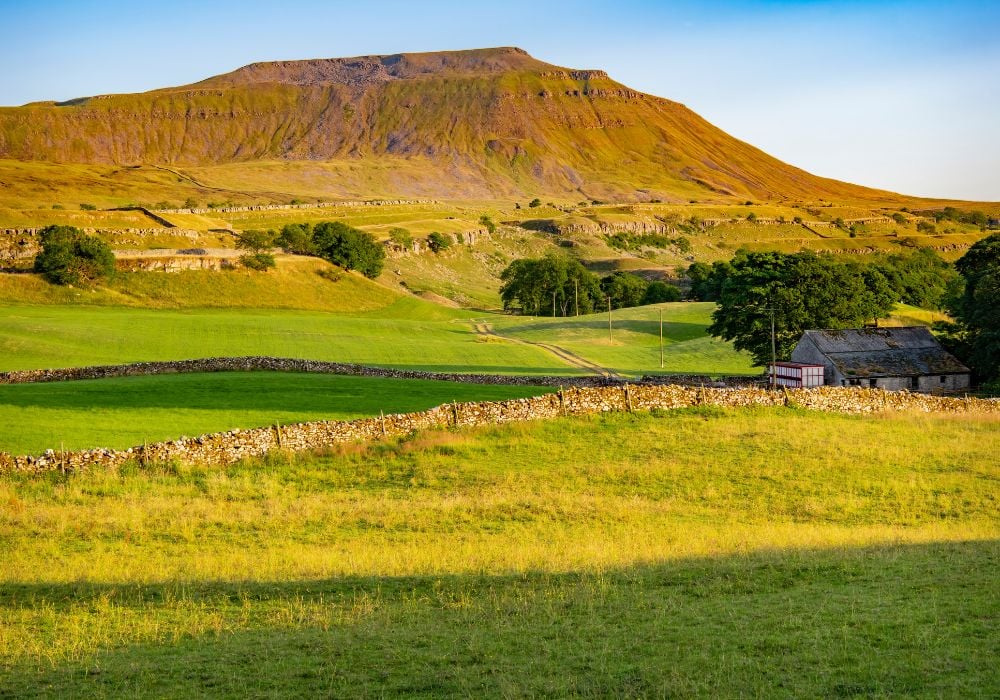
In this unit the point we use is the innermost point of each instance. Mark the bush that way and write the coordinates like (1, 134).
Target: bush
(88, 207)
(659, 292)
(401, 237)
(438, 242)
(926, 227)
(257, 261)
(487, 222)
(296, 238)
(190, 203)
(349, 248)
(535, 203)
(69, 256)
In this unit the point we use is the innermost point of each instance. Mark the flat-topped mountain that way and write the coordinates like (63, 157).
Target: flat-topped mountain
(490, 122)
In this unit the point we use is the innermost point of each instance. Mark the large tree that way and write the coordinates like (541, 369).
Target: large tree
(69, 256)
(977, 309)
(554, 285)
(802, 291)
(348, 247)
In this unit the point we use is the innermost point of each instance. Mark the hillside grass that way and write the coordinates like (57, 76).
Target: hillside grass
(633, 347)
(126, 411)
(703, 552)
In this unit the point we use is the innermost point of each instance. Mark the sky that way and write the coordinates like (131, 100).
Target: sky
(903, 96)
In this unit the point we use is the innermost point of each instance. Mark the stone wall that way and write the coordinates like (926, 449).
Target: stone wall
(314, 205)
(233, 446)
(20, 244)
(283, 364)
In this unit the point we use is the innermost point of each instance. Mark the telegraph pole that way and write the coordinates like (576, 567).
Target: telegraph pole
(661, 338)
(576, 295)
(553, 303)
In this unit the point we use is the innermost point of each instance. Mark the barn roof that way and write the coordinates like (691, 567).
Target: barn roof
(885, 352)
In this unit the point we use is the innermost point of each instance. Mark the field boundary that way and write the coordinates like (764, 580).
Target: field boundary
(229, 447)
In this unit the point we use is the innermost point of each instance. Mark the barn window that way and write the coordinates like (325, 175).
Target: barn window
(942, 379)
(914, 382)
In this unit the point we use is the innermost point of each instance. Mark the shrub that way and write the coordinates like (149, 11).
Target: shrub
(535, 203)
(899, 218)
(69, 256)
(257, 261)
(659, 292)
(926, 227)
(751, 217)
(438, 242)
(401, 237)
(190, 203)
(487, 222)
(88, 207)
(683, 244)
(58, 206)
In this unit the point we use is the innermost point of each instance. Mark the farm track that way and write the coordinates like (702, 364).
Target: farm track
(563, 354)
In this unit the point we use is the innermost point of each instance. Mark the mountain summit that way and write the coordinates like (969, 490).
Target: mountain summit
(484, 123)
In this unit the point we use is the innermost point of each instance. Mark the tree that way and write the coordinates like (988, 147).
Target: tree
(977, 309)
(190, 203)
(802, 291)
(296, 238)
(535, 284)
(438, 242)
(537, 203)
(660, 292)
(706, 280)
(349, 248)
(624, 288)
(68, 256)
(258, 245)
(88, 207)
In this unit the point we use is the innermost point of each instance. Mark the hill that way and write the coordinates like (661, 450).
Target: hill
(485, 123)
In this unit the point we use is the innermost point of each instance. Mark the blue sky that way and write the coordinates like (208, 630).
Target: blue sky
(900, 95)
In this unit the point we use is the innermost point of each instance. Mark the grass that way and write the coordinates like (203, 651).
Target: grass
(122, 412)
(633, 348)
(700, 552)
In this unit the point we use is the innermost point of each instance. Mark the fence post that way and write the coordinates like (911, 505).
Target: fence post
(382, 414)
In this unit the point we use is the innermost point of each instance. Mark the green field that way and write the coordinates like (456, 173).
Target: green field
(126, 411)
(706, 552)
(633, 345)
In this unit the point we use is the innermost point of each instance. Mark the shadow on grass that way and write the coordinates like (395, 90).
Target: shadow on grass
(674, 331)
(882, 621)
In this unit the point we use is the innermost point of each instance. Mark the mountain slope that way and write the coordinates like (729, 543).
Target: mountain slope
(492, 122)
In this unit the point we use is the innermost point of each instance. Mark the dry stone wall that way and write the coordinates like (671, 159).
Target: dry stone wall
(233, 446)
(314, 205)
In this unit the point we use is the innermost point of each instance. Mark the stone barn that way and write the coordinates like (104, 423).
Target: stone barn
(887, 358)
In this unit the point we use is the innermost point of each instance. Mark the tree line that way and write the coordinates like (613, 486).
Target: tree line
(558, 285)
(800, 291)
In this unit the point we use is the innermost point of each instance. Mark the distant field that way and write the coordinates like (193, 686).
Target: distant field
(702, 552)
(634, 343)
(127, 411)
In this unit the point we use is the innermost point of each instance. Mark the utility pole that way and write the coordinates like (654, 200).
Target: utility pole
(553, 303)
(576, 295)
(661, 338)
(611, 338)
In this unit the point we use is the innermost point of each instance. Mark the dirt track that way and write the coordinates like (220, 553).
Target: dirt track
(563, 354)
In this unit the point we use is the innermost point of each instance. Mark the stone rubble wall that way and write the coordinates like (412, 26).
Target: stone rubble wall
(283, 364)
(232, 446)
(19, 244)
(314, 205)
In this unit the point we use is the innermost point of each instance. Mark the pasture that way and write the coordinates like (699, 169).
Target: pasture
(126, 411)
(697, 552)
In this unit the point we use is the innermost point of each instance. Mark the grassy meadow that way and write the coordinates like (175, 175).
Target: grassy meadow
(703, 552)
(126, 411)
